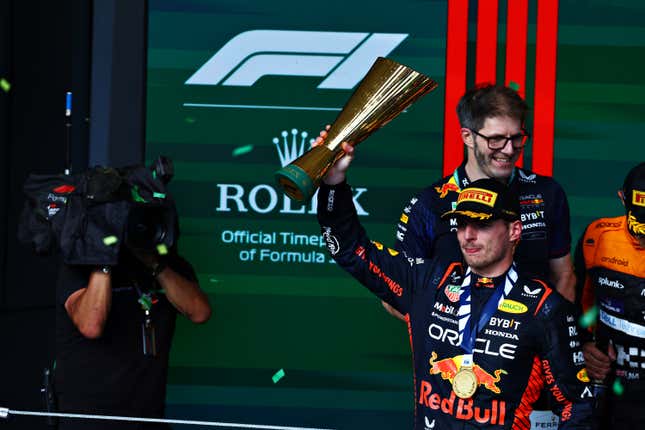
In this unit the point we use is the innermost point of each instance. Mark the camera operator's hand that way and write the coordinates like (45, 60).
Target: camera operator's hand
(183, 294)
(149, 258)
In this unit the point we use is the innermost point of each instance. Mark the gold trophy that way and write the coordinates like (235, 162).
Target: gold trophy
(386, 90)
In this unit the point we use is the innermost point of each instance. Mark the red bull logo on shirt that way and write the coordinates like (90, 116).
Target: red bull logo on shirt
(495, 414)
(446, 188)
(447, 368)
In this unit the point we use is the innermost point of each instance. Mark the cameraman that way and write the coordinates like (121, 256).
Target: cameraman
(114, 332)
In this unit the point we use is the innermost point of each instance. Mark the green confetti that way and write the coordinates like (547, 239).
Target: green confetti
(190, 120)
(278, 375)
(110, 240)
(589, 318)
(514, 85)
(146, 302)
(136, 196)
(242, 150)
(5, 85)
(618, 387)
(162, 249)
(213, 280)
(158, 195)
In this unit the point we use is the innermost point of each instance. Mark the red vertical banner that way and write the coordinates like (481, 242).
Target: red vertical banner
(546, 46)
(456, 56)
(486, 53)
(517, 15)
(515, 69)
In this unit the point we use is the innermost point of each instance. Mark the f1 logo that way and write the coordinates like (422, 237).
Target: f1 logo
(343, 58)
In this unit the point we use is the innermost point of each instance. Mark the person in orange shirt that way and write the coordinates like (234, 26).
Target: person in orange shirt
(610, 260)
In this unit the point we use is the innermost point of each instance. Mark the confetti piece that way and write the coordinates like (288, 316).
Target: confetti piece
(278, 375)
(190, 120)
(162, 249)
(242, 150)
(110, 240)
(213, 280)
(618, 387)
(145, 302)
(5, 85)
(514, 85)
(589, 318)
(159, 195)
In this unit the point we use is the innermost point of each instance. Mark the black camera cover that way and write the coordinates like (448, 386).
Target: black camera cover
(89, 216)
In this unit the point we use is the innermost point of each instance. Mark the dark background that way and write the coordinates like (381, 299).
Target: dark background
(45, 51)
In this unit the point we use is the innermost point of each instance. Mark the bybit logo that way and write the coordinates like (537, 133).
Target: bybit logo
(250, 55)
(264, 198)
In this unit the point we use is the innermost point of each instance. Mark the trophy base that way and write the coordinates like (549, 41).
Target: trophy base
(295, 183)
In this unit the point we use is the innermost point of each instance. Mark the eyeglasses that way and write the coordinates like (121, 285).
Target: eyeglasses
(499, 141)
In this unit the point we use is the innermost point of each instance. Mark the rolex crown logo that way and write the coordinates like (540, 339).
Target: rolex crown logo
(291, 148)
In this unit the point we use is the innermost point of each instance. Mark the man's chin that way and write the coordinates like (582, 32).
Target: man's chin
(501, 172)
(473, 263)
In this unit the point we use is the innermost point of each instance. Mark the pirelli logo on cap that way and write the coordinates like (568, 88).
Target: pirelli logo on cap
(478, 195)
(638, 198)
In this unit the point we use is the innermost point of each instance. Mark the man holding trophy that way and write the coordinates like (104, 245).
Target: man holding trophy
(481, 334)
(485, 339)
(492, 122)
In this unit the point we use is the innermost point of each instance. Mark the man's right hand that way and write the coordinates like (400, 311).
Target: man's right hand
(336, 173)
(597, 362)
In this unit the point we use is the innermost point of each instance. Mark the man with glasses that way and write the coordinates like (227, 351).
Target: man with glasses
(492, 128)
(610, 258)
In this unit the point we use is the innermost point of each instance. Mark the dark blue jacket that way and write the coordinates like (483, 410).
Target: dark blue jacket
(532, 330)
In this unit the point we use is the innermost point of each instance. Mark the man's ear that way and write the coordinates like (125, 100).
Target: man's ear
(621, 196)
(468, 137)
(514, 231)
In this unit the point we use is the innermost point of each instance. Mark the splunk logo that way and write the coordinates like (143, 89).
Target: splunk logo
(343, 58)
(265, 198)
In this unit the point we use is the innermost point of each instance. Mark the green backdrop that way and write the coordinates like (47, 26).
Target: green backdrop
(279, 303)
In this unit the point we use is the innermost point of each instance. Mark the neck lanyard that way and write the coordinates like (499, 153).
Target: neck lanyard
(467, 330)
(148, 334)
(455, 175)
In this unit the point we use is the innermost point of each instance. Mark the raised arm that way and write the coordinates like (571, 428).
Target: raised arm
(385, 272)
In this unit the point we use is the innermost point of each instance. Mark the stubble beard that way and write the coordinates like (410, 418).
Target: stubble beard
(485, 163)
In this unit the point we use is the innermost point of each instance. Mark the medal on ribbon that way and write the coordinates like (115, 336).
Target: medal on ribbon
(465, 382)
